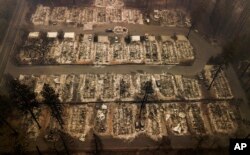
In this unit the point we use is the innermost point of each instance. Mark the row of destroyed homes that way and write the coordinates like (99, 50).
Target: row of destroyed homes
(69, 48)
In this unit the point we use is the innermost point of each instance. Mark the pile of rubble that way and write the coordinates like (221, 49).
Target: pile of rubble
(175, 119)
(135, 52)
(77, 16)
(124, 121)
(196, 118)
(176, 50)
(102, 118)
(128, 120)
(109, 3)
(154, 124)
(151, 51)
(88, 85)
(222, 117)
(185, 51)
(32, 51)
(58, 15)
(107, 83)
(41, 16)
(220, 88)
(85, 50)
(81, 49)
(165, 85)
(119, 53)
(68, 55)
(53, 55)
(101, 53)
(124, 87)
(77, 121)
(188, 88)
(171, 17)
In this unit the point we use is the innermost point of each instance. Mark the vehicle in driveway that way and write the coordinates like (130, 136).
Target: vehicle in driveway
(109, 30)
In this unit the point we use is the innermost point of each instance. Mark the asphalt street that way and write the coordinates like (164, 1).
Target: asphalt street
(11, 35)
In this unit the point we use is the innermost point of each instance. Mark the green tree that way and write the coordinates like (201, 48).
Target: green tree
(52, 101)
(24, 98)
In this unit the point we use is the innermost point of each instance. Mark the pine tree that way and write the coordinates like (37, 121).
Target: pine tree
(24, 98)
(51, 99)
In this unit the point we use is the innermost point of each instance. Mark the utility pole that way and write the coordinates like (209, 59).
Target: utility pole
(214, 77)
(38, 150)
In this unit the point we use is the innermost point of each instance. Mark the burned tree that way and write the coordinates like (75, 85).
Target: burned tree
(24, 98)
(51, 99)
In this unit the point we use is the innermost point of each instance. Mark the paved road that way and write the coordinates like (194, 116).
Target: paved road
(11, 35)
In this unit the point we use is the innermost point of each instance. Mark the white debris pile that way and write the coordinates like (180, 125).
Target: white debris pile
(87, 16)
(67, 83)
(124, 121)
(32, 51)
(59, 15)
(107, 87)
(126, 87)
(88, 87)
(184, 49)
(196, 119)
(151, 52)
(132, 16)
(120, 54)
(165, 86)
(101, 15)
(188, 88)
(53, 55)
(78, 16)
(170, 17)
(101, 120)
(175, 119)
(169, 55)
(77, 121)
(74, 16)
(135, 50)
(85, 50)
(109, 3)
(222, 117)
(176, 49)
(41, 15)
(101, 53)
(68, 53)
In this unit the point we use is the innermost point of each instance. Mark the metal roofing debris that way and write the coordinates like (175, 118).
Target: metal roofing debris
(52, 34)
(69, 35)
(34, 34)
